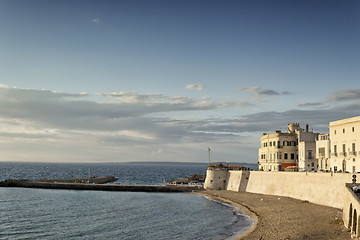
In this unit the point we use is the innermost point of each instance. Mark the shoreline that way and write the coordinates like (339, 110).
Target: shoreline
(279, 217)
(244, 208)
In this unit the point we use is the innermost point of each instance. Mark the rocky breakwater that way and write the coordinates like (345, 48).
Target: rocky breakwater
(58, 184)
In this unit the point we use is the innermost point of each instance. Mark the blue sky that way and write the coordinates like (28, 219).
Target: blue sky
(162, 80)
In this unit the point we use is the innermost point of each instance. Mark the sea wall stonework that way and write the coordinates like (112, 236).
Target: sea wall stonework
(326, 189)
(237, 181)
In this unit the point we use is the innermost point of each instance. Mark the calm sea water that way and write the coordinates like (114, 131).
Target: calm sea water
(66, 214)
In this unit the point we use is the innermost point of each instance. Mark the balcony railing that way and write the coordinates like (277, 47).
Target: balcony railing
(352, 153)
(334, 154)
(342, 154)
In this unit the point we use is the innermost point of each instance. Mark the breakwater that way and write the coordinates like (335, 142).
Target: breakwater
(98, 187)
(98, 180)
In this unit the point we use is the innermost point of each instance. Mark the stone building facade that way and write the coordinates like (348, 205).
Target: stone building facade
(323, 152)
(345, 145)
(280, 150)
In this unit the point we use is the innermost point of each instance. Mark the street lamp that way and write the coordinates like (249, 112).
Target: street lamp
(209, 149)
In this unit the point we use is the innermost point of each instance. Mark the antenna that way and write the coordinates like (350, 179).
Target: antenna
(209, 149)
(89, 173)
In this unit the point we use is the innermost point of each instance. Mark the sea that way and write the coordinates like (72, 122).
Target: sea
(72, 214)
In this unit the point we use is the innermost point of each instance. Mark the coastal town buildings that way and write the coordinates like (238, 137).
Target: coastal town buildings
(303, 150)
(307, 149)
(280, 150)
(345, 145)
(323, 152)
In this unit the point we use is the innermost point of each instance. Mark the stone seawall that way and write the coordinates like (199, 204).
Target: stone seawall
(326, 189)
(100, 187)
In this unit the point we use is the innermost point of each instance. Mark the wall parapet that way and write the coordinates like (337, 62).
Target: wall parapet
(320, 188)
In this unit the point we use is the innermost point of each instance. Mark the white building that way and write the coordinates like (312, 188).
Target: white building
(345, 145)
(281, 150)
(323, 152)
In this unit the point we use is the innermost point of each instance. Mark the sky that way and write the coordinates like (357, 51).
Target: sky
(130, 80)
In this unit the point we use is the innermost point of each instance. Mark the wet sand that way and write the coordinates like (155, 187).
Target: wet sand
(285, 218)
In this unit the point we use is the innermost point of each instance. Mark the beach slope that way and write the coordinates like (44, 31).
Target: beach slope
(286, 218)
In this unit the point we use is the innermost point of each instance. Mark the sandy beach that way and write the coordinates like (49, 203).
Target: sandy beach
(286, 218)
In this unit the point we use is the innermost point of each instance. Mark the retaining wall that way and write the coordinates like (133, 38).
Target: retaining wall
(326, 189)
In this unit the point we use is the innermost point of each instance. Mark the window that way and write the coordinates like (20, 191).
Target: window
(335, 150)
(280, 155)
(292, 156)
(321, 151)
(285, 156)
(344, 148)
(353, 129)
(353, 147)
(309, 155)
(312, 164)
(343, 130)
(335, 132)
(274, 143)
(284, 143)
(270, 144)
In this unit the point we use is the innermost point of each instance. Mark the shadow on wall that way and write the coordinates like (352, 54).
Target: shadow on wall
(244, 181)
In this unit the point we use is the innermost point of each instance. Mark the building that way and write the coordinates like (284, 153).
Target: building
(345, 145)
(307, 149)
(280, 150)
(323, 152)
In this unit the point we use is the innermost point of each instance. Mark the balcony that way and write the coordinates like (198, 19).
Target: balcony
(334, 154)
(320, 155)
(342, 154)
(352, 153)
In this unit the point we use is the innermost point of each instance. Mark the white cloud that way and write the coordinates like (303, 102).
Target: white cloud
(197, 87)
(130, 126)
(157, 152)
(95, 20)
(259, 91)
